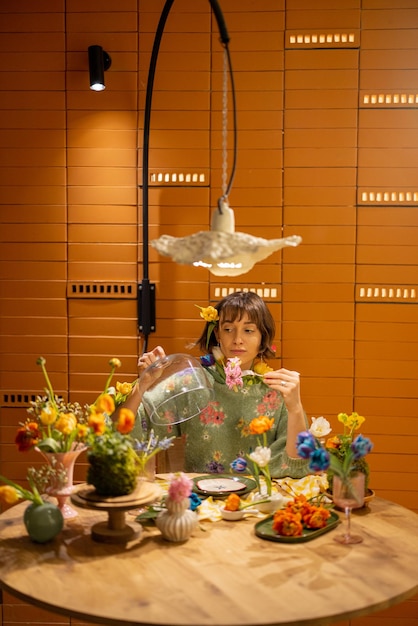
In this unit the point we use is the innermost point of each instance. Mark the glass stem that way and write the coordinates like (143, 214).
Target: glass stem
(348, 517)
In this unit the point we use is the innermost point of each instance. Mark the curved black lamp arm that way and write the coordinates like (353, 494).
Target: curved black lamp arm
(146, 291)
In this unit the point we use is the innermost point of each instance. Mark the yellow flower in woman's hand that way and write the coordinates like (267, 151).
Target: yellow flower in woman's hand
(262, 368)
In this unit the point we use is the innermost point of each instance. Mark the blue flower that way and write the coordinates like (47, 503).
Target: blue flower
(360, 447)
(195, 501)
(239, 464)
(207, 360)
(319, 460)
(306, 444)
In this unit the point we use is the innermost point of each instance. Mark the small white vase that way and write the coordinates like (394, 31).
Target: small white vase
(275, 502)
(177, 521)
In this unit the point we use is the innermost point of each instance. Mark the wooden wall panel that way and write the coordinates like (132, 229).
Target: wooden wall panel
(324, 132)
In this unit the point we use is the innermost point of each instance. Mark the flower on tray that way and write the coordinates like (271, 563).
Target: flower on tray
(260, 457)
(298, 515)
(342, 455)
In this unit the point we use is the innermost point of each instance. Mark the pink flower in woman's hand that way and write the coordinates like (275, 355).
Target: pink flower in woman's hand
(233, 373)
(180, 487)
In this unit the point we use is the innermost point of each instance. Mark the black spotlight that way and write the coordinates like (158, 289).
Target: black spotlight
(99, 62)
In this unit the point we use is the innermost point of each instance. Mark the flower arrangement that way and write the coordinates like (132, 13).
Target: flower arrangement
(341, 456)
(56, 426)
(298, 515)
(260, 457)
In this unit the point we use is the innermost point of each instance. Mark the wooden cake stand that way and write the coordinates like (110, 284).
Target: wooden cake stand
(116, 529)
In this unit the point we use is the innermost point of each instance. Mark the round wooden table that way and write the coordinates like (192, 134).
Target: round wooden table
(223, 576)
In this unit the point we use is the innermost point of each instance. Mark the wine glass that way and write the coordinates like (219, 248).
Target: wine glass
(348, 494)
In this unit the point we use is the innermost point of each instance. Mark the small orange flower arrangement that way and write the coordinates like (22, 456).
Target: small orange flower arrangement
(299, 514)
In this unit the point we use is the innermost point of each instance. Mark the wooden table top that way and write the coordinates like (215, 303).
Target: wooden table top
(223, 576)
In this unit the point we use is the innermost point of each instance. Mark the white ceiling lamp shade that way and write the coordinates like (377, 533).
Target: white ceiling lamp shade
(221, 250)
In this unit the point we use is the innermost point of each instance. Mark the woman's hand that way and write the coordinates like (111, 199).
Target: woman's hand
(148, 358)
(146, 379)
(288, 383)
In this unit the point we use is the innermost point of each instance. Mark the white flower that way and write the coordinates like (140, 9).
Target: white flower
(320, 427)
(217, 354)
(261, 456)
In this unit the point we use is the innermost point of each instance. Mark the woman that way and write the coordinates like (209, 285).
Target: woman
(239, 330)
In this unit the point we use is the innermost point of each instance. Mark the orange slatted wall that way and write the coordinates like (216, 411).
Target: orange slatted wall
(327, 104)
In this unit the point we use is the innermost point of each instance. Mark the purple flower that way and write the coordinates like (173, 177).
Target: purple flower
(361, 446)
(319, 461)
(207, 360)
(305, 444)
(215, 468)
(239, 464)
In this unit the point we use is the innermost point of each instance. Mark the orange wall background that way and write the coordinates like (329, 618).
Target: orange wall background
(327, 149)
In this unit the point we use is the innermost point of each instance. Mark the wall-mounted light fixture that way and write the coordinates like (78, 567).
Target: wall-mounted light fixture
(99, 62)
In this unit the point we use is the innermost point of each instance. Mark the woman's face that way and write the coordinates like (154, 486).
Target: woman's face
(240, 338)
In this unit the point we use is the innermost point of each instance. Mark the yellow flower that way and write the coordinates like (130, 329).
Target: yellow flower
(123, 388)
(8, 495)
(66, 423)
(48, 415)
(209, 313)
(82, 431)
(115, 363)
(352, 422)
(262, 368)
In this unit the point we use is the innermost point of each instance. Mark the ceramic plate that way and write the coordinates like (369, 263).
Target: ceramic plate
(221, 486)
(264, 530)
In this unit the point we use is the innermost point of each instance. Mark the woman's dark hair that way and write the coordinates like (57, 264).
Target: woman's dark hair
(232, 308)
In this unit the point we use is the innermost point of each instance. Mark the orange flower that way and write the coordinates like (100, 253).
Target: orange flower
(316, 517)
(333, 442)
(287, 523)
(260, 425)
(82, 431)
(233, 502)
(97, 423)
(27, 436)
(105, 404)
(126, 421)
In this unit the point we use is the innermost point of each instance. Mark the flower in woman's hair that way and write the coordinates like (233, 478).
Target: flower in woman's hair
(211, 317)
(261, 456)
(261, 424)
(239, 465)
(320, 427)
(233, 374)
(180, 487)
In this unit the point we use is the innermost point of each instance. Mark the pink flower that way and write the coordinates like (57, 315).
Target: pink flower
(233, 373)
(180, 487)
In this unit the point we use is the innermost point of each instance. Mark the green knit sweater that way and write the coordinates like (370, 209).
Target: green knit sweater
(219, 434)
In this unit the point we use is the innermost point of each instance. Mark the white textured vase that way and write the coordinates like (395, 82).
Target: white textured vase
(275, 502)
(177, 521)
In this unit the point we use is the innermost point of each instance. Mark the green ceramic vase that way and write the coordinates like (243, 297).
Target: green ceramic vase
(43, 521)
